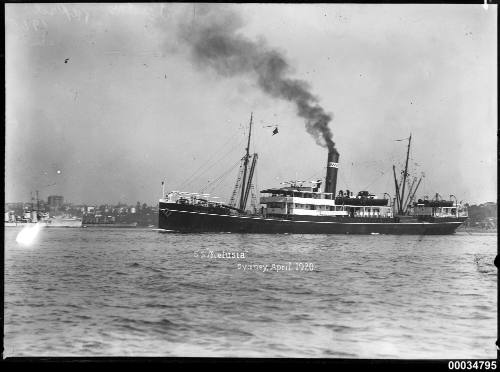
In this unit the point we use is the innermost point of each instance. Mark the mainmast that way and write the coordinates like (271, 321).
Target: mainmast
(249, 183)
(406, 170)
(401, 188)
(247, 157)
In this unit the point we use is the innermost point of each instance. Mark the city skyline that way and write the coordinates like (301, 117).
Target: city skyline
(45, 202)
(103, 101)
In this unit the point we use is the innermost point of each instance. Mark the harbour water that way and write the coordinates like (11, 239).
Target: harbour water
(139, 292)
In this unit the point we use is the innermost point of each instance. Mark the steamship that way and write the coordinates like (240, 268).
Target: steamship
(300, 209)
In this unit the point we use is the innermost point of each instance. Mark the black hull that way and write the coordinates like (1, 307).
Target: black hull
(173, 218)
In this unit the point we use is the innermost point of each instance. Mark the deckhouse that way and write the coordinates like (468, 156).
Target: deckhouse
(308, 201)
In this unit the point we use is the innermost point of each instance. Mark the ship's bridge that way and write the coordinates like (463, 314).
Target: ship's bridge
(298, 192)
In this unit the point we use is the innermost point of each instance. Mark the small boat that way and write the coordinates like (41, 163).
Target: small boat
(60, 221)
(106, 225)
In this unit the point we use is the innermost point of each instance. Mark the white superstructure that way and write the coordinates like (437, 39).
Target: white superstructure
(306, 201)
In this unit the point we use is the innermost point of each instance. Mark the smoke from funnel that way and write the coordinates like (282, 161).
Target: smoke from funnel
(214, 40)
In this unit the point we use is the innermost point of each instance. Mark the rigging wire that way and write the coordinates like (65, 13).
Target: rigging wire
(256, 184)
(236, 191)
(375, 180)
(190, 182)
(219, 149)
(344, 180)
(212, 184)
(193, 176)
(315, 176)
(219, 160)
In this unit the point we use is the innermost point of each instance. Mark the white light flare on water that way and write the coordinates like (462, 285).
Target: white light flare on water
(28, 234)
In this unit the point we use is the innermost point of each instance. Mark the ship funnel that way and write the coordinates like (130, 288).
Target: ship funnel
(332, 168)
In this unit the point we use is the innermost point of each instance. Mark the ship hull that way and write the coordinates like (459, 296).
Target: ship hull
(171, 218)
(64, 223)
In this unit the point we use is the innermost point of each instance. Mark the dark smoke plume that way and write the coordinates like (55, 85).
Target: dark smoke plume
(213, 38)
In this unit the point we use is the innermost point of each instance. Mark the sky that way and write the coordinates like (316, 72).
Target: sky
(106, 101)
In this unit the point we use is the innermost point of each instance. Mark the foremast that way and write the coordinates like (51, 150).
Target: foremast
(243, 185)
(245, 162)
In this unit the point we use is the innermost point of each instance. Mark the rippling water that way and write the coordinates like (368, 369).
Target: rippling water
(137, 292)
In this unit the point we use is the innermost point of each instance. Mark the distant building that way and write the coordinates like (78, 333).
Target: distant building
(55, 201)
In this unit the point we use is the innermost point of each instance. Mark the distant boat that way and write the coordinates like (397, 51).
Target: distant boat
(24, 223)
(51, 222)
(28, 218)
(40, 217)
(64, 222)
(133, 224)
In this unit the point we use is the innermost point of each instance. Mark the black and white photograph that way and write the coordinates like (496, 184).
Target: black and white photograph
(258, 180)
